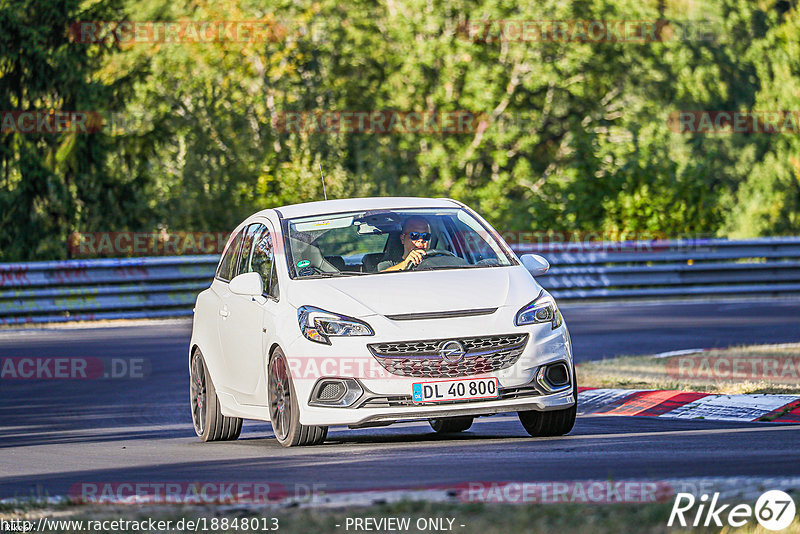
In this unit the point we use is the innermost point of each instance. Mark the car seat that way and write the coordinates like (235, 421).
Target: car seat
(394, 248)
(369, 262)
(306, 251)
(336, 261)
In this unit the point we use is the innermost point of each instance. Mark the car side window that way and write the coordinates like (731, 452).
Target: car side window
(262, 259)
(252, 234)
(273, 283)
(227, 264)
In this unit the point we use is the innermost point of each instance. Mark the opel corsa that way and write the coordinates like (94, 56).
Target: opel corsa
(305, 327)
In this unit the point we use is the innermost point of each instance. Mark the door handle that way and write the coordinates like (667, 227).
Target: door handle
(224, 313)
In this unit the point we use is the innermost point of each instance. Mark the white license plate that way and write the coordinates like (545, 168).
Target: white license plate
(450, 390)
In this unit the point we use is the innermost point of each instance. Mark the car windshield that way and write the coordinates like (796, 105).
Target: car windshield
(370, 242)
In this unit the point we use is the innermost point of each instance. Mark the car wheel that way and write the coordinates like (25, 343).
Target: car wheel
(209, 423)
(553, 423)
(283, 407)
(449, 425)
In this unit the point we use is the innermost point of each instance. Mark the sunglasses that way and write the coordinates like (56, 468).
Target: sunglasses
(426, 236)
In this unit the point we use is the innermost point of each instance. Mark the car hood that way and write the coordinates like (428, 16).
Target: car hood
(417, 292)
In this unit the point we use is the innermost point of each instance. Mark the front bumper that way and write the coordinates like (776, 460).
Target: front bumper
(387, 398)
(371, 416)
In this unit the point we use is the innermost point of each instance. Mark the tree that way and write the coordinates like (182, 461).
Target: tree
(52, 184)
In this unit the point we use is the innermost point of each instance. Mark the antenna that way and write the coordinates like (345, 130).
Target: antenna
(323, 181)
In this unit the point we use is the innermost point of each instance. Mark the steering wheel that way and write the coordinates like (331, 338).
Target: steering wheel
(446, 258)
(438, 252)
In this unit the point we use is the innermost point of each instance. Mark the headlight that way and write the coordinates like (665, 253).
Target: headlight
(318, 325)
(541, 310)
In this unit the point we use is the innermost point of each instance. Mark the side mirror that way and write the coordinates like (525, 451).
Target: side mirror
(536, 264)
(247, 284)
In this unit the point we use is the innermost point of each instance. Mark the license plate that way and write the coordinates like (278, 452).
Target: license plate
(450, 390)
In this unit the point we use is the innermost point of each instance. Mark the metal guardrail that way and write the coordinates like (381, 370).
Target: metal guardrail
(83, 290)
(697, 267)
(73, 290)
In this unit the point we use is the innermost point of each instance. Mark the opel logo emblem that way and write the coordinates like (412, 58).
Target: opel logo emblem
(452, 351)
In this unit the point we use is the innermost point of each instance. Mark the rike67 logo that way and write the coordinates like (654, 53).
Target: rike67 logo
(774, 510)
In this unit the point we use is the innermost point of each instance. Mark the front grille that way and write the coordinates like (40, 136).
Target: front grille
(422, 359)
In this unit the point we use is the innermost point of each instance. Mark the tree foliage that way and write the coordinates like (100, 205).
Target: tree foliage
(577, 135)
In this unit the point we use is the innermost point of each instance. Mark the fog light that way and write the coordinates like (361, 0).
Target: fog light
(553, 377)
(331, 391)
(339, 392)
(557, 374)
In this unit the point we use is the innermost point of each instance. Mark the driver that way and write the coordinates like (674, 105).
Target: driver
(415, 238)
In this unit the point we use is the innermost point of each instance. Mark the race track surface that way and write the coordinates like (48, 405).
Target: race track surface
(57, 433)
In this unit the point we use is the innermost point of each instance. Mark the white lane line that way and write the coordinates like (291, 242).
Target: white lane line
(685, 352)
(773, 427)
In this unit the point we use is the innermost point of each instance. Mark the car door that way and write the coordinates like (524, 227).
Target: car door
(249, 318)
(217, 314)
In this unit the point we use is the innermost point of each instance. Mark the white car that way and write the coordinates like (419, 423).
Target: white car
(303, 325)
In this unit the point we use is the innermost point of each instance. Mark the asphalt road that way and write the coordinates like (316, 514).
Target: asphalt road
(56, 433)
(601, 331)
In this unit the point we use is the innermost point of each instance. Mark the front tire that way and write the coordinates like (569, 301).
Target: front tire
(283, 407)
(553, 423)
(209, 423)
(451, 425)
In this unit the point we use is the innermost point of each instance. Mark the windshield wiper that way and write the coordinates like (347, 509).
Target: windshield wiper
(474, 265)
(331, 275)
(454, 267)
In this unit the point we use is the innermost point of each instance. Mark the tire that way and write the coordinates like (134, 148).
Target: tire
(553, 423)
(451, 425)
(284, 412)
(209, 423)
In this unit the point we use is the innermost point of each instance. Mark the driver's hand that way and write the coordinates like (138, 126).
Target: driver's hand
(414, 257)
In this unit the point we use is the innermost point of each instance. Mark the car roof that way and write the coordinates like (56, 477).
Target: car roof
(360, 204)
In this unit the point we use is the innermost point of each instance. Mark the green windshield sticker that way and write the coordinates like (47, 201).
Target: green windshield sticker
(303, 263)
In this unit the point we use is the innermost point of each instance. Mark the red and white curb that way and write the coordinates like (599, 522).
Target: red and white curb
(689, 405)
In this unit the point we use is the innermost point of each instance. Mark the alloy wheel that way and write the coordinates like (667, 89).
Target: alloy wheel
(198, 394)
(280, 395)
